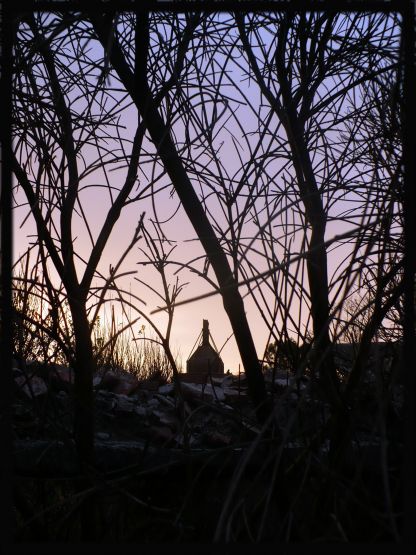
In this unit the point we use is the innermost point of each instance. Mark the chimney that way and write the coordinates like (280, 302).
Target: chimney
(205, 332)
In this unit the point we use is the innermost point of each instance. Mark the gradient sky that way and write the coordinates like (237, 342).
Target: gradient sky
(188, 318)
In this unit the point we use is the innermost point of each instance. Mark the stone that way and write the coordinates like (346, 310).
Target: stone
(216, 439)
(215, 380)
(167, 419)
(102, 435)
(167, 401)
(108, 381)
(105, 401)
(21, 412)
(140, 411)
(32, 387)
(161, 434)
(149, 385)
(62, 373)
(126, 385)
(231, 393)
(123, 404)
(199, 391)
(216, 392)
(152, 403)
(191, 391)
(229, 380)
(166, 389)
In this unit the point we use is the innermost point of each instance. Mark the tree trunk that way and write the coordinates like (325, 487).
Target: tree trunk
(137, 86)
(316, 262)
(83, 384)
(83, 397)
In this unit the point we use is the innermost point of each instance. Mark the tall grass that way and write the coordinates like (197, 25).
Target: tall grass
(142, 356)
(37, 337)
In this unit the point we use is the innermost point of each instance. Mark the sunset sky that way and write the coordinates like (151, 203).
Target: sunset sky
(235, 136)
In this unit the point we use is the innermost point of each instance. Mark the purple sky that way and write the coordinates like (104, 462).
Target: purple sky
(233, 152)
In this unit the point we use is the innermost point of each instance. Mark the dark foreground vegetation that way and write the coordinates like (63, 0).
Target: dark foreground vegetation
(211, 471)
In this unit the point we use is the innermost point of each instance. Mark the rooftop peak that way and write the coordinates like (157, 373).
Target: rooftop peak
(205, 332)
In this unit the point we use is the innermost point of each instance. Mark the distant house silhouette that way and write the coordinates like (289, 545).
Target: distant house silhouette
(205, 361)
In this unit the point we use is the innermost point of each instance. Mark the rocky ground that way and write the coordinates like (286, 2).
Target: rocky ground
(130, 415)
(181, 456)
(133, 415)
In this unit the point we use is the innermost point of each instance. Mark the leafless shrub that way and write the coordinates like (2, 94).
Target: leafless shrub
(315, 171)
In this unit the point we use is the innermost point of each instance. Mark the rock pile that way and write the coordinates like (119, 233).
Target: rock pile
(199, 415)
(133, 415)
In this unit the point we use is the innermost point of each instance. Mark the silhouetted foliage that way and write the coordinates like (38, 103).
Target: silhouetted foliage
(278, 136)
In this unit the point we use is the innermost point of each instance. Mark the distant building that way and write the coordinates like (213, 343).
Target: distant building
(205, 360)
